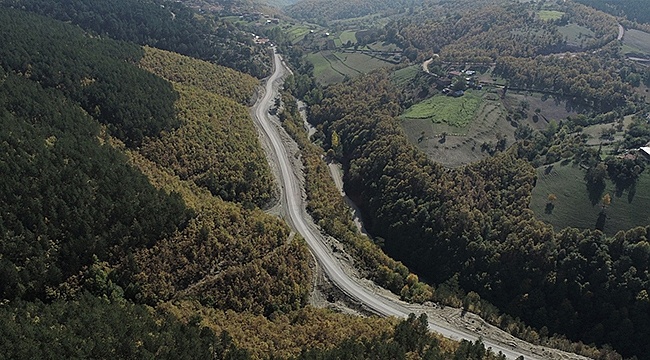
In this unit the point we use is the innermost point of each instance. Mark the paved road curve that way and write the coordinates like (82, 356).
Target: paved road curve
(297, 217)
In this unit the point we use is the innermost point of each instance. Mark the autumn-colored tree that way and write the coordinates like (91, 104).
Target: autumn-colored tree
(607, 200)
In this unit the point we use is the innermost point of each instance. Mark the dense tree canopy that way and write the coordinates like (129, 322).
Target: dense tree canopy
(104, 229)
(589, 80)
(168, 25)
(78, 215)
(473, 224)
(98, 74)
(67, 197)
(326, 10)
(411, 339)
(92, 327)
(635, 10)
(204, 75)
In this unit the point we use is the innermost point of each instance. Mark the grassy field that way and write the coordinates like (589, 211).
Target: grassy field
(462, 145)
(361, 62)
(550, 108)
(296, 33)
(331, 67)
(576, 33)
(547, 15)
(405, 75)
(488, 124)
(348, 36)
(637, 41)
(382, 46)
(573, 208)
(339, 64)
(323, 71)
(595, 132)
(457, 112)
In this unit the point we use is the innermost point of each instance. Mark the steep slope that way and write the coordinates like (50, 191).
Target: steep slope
(326, 10)
(200, 74)
(77, 217)
(66, 196)
(471, 227)
(105, 243)
(635, 10)
(168, 25)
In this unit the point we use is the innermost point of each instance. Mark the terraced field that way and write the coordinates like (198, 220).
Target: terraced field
(332, 66)
(405, 75)
(323, 70)
(462, 145)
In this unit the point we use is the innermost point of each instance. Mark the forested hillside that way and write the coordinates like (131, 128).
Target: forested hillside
(470, 230)
(483, 31)
(92, 327)
(84, 233)
(229, 257)
(67, 197)
(134, 183)
(99, 75)
(322, 11)
(635, 10)
(216, 147)
(111, 243)
(201, 74)
(82, 204)
(168, 25)
(472, 227)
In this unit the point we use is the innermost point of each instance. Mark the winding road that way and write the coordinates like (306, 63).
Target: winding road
(293, 206)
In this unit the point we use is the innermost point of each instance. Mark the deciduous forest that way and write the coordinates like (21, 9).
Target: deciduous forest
(473, 225)
(167, 25)
(137, 202)
(131, 224)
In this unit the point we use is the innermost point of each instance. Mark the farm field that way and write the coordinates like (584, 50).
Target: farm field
(636, 41)
(573, 207)
(549, 108)
(547, 15)
(332, 67)
(461, 146)
(595, 132)
(405, 75)
(360, 62)
(456, 112)
(323, 71)
(381, 46)
(576, 34)
(296, 33)
(348, 36)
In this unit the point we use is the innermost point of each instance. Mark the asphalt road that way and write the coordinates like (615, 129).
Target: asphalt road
(295, 214)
